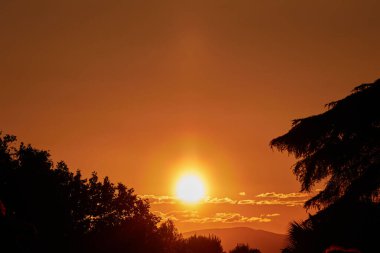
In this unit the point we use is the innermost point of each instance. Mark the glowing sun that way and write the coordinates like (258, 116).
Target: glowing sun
(190, 189)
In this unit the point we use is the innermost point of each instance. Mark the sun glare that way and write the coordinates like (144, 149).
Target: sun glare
(190, 188)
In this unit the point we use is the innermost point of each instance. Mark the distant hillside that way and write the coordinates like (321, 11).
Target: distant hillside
(267, 242)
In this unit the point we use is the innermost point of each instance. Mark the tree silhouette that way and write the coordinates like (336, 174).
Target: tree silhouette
(347, 225)
(201, 244)
(244, 248)
(342, 147)
(47, 208)
(171, 239)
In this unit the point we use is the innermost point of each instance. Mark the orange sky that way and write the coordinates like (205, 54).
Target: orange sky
(135, 89)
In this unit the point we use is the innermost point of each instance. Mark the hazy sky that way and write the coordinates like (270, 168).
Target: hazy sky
(140, 90)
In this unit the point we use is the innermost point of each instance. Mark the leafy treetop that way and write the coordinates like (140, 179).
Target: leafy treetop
(341, 146)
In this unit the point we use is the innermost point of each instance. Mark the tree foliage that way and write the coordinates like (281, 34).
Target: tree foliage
(201, 244)
(342, 224)
(244, 248)
(341, 145)
(47, 208)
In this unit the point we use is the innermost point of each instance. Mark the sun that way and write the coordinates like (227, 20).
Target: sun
(190, 189)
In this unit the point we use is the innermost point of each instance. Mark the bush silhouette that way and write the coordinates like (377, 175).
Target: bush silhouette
(244, 248)
(201, 244)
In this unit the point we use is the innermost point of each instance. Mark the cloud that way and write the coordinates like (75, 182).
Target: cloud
(272, 198)
(165, 216)
(271, 202)
(222, 217)
(268, 198)
(283, 195)
(154, 199)
(224, 200)
(272, 215)
(177, 215)
(228, 218)
(192, 216)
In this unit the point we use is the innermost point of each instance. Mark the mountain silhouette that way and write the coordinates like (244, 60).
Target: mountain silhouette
(267, 242)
